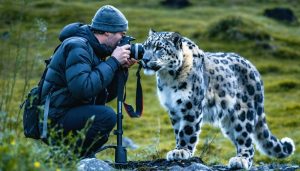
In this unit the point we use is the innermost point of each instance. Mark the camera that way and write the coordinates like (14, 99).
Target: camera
(136, 49)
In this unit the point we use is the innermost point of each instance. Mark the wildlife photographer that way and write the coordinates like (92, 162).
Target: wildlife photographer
(85, 65)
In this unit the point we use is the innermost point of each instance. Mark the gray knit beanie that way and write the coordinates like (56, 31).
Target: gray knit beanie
(109, 19)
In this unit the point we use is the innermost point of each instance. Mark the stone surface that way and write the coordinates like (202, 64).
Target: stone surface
(193, 167)
(176, 3)
(129, 143)
(195, 164)
(281, 14)
(93, 164)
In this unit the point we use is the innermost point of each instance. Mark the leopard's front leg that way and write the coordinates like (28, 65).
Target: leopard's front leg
(187, 129)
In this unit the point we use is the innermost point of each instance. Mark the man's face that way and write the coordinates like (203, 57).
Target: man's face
(114, 38)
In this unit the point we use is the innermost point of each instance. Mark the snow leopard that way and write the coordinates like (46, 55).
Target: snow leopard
(224, 89)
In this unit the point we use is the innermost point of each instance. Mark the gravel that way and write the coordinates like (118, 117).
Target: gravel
(193, 164)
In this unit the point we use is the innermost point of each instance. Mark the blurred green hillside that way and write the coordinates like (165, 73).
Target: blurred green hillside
(29, 33)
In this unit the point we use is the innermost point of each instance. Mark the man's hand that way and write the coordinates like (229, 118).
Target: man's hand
(131, 61)
(122, 54)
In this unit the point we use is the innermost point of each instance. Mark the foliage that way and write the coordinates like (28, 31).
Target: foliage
(29, 31)
(234, 28)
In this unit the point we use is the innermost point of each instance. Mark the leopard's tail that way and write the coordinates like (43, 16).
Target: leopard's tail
(268, 143)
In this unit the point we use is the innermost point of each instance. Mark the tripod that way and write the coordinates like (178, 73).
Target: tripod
(120, 151)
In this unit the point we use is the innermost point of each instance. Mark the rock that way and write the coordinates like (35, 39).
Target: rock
(281, 167)
(162, 164)
(195, 164)
(128, 143)
(193, 167)
(192, 164)
(281, 14)
(220, 168)
(176, 3)
(93, 164)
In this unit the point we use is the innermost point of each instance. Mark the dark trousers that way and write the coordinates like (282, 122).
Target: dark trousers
(98, 131)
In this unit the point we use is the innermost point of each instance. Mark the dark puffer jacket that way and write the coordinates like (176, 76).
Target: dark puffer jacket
(79, 65)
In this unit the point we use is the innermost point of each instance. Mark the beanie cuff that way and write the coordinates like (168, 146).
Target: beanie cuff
(109, 27)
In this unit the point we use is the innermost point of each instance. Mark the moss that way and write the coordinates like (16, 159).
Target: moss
(269, 69)
(293, 107)
(236, 28)
(288, 85)
(286, 53)
(282, 86)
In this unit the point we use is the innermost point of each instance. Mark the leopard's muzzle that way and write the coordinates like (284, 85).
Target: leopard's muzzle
(149, 63)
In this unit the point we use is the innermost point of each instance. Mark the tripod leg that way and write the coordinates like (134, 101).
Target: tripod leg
(121, 153)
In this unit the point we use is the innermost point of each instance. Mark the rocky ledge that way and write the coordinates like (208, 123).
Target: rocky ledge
(193, 164)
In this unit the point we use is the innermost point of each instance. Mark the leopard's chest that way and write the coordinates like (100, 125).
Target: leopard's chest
(169, 96)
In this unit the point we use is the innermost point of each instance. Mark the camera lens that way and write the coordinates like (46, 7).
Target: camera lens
(136, 51)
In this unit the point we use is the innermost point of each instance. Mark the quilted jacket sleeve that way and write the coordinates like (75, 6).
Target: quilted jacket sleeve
(84, 81)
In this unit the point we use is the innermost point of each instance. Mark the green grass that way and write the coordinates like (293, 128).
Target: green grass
(29, 31)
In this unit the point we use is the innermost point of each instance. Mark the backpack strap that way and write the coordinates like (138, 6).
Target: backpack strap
(50, 94)
(46, 111)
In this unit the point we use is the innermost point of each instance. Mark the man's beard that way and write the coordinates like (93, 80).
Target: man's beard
(105, 51)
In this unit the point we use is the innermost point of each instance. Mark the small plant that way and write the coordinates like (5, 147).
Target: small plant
(206, 146)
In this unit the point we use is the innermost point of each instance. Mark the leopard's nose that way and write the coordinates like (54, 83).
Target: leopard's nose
(146, 58)
(144, 62)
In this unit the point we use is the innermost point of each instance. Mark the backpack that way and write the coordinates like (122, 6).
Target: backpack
(35, 115)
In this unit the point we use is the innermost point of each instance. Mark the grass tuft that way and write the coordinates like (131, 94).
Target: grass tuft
(265, 69)
(286, 53)
(235, 28)
(283, 86)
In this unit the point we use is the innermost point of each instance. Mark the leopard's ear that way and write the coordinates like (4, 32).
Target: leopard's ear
(151, 31)
(176, 38)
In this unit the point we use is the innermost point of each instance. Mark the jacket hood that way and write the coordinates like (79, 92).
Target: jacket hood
(83, 30)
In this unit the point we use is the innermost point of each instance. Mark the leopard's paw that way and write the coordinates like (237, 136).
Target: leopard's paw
(179, 154)
(239, 163)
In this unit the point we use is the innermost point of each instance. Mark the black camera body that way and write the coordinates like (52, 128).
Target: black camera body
(136, 49)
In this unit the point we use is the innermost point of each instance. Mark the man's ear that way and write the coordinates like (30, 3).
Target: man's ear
(151, 31)
(176, 38)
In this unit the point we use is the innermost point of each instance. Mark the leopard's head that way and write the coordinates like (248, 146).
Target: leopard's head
(162, 52)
